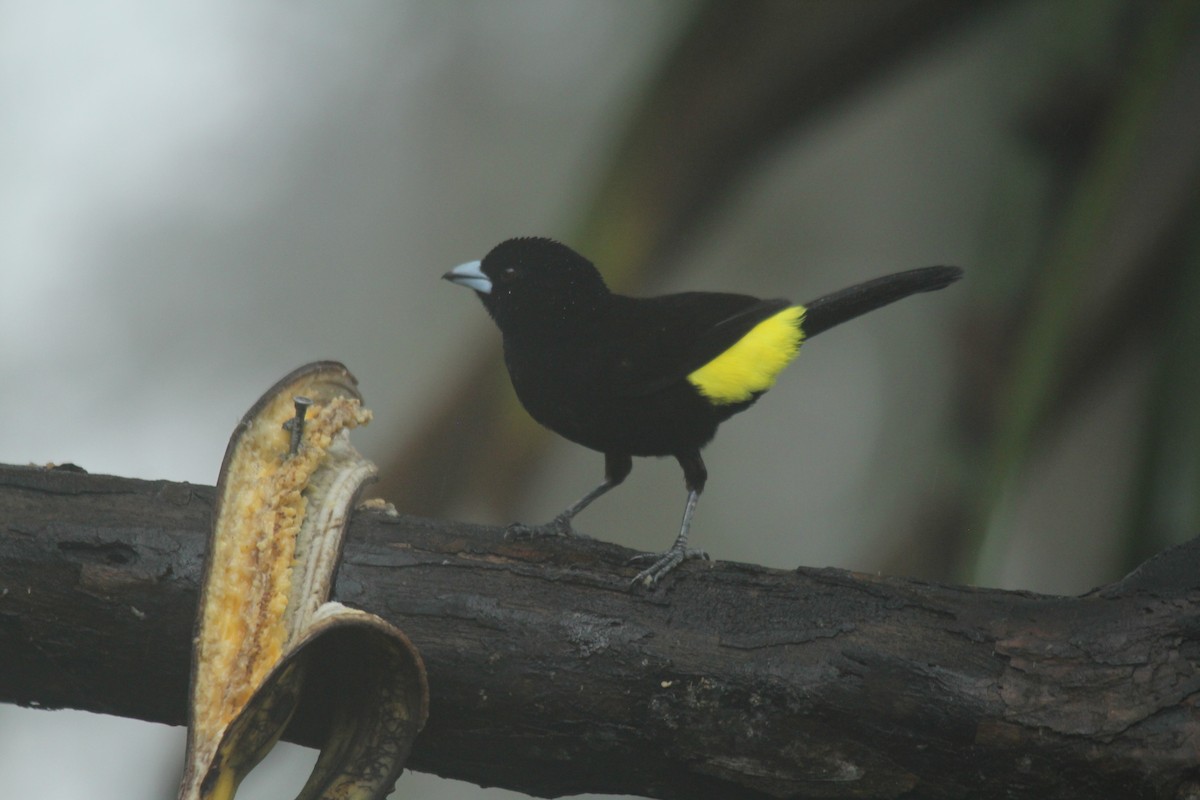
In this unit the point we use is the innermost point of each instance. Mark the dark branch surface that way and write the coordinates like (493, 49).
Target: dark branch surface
(549, 677)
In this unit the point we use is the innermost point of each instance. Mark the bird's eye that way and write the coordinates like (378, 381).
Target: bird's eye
(507, 275)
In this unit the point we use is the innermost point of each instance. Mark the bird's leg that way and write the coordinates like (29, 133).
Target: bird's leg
(616, 468)
(561, 524)
(695, 475)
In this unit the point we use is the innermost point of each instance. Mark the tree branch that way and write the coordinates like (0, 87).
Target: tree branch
(549, 677)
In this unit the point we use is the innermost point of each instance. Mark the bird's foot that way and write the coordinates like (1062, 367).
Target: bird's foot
(559, 526)
(662, 563)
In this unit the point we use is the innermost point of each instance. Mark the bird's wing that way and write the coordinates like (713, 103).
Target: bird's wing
(659, 341)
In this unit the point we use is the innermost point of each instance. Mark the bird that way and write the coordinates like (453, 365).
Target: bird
(647, 376)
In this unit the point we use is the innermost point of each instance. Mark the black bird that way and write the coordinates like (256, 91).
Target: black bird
(648, 376)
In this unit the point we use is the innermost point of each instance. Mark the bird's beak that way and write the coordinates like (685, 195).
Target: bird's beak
(471, 276)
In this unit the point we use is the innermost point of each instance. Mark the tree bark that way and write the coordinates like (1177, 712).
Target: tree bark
(550, 677)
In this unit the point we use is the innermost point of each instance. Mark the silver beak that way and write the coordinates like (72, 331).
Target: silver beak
(471, 276)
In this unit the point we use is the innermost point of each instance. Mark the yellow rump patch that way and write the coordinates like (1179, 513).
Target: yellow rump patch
(753, 362)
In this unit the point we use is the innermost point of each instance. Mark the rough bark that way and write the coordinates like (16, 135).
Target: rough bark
(548, 676)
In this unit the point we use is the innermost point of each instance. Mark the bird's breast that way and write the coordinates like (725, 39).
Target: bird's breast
(575, 391)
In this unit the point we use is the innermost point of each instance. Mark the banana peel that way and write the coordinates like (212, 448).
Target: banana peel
(267, 637)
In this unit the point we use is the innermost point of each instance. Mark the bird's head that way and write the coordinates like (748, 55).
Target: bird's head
(533, 283)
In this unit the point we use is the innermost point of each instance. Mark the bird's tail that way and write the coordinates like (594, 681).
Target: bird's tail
(834, 309)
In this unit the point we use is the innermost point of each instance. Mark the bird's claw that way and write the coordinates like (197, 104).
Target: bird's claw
(662, 564)
(559, 526)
